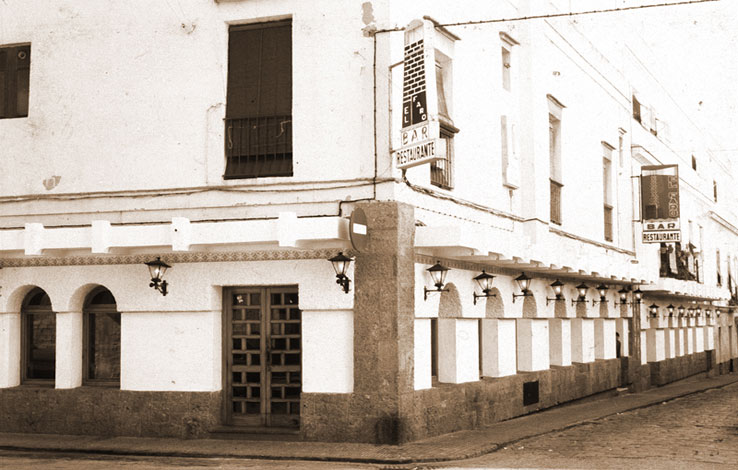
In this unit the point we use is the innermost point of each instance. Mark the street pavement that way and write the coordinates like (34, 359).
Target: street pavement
(688, 424)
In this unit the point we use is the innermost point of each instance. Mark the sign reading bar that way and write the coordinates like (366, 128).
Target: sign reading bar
(420, 133)
(660, 205)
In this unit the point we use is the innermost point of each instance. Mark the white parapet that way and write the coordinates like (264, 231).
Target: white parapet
(458, 350)
(560, 341)
(422, 349)
(582, 340)
(655, 345)
(533, 350)
(328, 359)
(499, 355)
(100, 236)
(604, 338)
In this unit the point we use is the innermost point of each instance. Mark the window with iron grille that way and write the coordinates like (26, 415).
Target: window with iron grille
(442, 170)
(15, 67)
(259, 102)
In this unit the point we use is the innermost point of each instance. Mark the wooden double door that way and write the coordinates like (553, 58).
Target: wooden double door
(263, 359)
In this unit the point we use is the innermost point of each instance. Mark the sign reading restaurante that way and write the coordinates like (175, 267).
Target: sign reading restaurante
(660, 203)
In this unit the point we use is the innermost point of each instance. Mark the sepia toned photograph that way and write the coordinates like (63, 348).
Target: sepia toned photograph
(368, 234)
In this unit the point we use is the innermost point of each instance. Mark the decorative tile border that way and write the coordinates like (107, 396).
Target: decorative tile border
(185, 257)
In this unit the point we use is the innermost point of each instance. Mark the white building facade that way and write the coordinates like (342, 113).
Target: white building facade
(234, 140)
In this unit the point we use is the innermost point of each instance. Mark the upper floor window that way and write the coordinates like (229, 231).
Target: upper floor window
(694, 163)
(15, 67)
(719, 271)
(636, 109)
(259, 106)
(508, 60)
(607, 189)
(555, 109)
(714, 190)
(442, 170)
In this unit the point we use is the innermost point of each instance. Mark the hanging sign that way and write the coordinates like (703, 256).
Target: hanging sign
(660, 205)
(420, 134)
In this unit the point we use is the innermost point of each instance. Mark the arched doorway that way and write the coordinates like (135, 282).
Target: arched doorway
(101, 339)
(38, 338)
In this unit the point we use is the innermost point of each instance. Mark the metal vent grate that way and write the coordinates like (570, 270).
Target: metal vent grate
(530, 393)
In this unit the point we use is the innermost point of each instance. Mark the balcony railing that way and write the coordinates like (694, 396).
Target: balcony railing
(258, 146)
(556, 202)
(441, 171)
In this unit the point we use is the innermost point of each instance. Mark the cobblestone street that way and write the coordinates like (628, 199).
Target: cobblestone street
(699, 431)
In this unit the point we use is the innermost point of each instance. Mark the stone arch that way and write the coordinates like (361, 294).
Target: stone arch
(18, 296)
(79, 297)
(530, 307)
(495, 307)
(450, 303)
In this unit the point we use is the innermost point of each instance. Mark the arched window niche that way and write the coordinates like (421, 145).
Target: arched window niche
(101, 339)
(38, 339)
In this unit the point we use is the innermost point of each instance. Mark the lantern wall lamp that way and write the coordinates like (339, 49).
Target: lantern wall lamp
(581, 294)
(670, 308)
(524, 284)
(484, 281)
(602, 290)
(681, 310)
(557, 287)
(438, 276)
(637, 295)
(623, 296)
(157, 269)
(341, 264)
(653, 310)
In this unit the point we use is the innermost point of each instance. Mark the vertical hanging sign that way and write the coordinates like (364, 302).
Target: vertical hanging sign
(660, 206)
(420, 134)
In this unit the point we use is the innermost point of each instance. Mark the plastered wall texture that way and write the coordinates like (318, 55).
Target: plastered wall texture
(108, 412)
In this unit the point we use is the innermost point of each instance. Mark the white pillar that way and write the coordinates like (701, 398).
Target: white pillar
(68, 349)
(655, 348)
(689, 340)
(10, 349)
(644, 348)
(533, 351)
(604, 338)
(699, 339)
(670, 343)
(582, 340)
(709, 338)
(679, 342)
(560, 341)
(458, 350)
(499, 355)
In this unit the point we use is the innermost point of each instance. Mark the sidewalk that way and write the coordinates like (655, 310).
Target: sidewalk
(455, 446)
